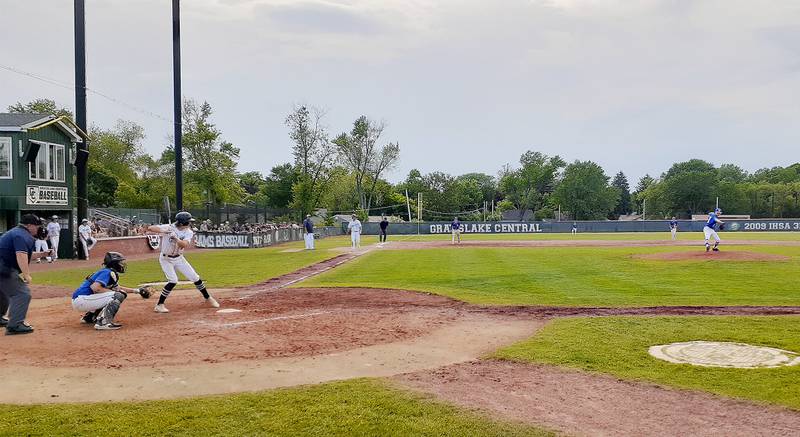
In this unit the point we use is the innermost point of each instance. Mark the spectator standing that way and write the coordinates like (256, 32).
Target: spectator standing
(85, 236)
(16, 252)
(54, 233)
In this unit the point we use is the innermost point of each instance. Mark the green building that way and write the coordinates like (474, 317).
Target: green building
(37, 157)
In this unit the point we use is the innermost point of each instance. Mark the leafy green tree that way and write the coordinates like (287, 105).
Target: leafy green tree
(638, 194)
(690, 186)
(620, 183)
(484, 184)
(313, 154)
(361, 154)
(529, 186)
(731, 173)
(278, 185)
(102, 187)
(584, 191)
(210, 161)
(40, 106)
(118, 150)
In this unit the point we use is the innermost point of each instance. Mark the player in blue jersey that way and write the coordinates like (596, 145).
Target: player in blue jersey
(455, 228)
(709, 229)
(673, 227)
(100, 294)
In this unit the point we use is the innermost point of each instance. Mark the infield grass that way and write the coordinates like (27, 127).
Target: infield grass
(357, 407)
(619, 346)
(610, 236)
(219, 268)
(575, 276)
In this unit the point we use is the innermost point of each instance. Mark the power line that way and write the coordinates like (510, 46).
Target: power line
(69, 86)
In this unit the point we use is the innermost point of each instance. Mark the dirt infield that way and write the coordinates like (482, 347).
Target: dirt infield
(712, 256)
(283, 323)
(580, 403)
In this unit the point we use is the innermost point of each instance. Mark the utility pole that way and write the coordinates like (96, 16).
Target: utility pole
(82, 149)
(408, 205)
(176, 98)
(419, 211)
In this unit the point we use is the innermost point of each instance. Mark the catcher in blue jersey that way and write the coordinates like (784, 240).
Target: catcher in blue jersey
(100, 294)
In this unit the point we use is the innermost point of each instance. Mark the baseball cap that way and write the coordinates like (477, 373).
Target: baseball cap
(30, 219)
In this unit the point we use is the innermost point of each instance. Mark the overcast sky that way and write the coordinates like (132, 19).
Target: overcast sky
(463, 85)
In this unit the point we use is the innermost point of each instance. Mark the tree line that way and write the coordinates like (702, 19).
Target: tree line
(346, 172)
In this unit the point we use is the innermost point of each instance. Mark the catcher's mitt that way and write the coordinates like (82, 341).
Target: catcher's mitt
(145, 291)
(721, 227)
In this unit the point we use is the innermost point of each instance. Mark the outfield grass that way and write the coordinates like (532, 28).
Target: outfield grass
(575, 276)
(612, 236)
(357, 407)
(618, 346)
(219, 268)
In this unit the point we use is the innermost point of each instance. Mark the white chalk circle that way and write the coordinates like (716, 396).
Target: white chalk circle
(724, 354)
(228, 310)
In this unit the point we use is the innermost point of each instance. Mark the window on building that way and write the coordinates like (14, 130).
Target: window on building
(49, 165)
(5, 158)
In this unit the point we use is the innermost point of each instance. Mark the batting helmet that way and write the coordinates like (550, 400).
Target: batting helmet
(115, 261)
(183, 218)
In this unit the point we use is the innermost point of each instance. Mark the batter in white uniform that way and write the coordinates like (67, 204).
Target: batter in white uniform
(354, 227)
(174, 239)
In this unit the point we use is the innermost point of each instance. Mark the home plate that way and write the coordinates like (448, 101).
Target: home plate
(228, 310)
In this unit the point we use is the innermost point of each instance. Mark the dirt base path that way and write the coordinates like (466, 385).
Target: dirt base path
(463, 340)
(579, 403)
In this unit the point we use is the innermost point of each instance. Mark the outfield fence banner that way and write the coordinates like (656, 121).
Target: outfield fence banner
(751, 225)
(225, 240)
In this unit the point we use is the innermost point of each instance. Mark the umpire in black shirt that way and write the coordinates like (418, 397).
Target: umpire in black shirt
(16, 252)
(384, 225)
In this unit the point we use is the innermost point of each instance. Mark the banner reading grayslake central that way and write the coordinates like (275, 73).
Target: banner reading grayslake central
(733, 225)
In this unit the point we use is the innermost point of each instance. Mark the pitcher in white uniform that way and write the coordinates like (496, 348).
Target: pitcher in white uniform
(174, 239)
(354, 227)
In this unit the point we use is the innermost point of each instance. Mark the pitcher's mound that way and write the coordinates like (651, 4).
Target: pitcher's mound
(722, 255)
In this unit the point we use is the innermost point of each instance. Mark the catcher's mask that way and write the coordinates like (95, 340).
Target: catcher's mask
(183, 218)
(115, 261)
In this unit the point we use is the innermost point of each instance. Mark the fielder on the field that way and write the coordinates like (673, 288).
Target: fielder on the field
(175, 238)
(708, 229)
(455, 229)
(100, 294)
(673, 227)
(354, 227)
(308, 226)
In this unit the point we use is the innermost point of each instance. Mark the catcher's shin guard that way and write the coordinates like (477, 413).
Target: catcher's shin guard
(110, 310)
(166, 291)
(201, 287)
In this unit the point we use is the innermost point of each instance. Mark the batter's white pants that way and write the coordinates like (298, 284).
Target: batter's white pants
(674, 233)
(170, 265)
(54, 246)
(92, 302)
(41, 245)
(355, 237)
(309, 241)
(708, 232)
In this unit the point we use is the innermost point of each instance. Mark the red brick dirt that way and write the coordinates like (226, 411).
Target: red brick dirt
(580, 403)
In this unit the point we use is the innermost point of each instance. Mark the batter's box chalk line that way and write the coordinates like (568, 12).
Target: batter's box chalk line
(268, 319)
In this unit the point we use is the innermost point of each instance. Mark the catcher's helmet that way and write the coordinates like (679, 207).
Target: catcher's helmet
(115, 261)
(183, 218)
